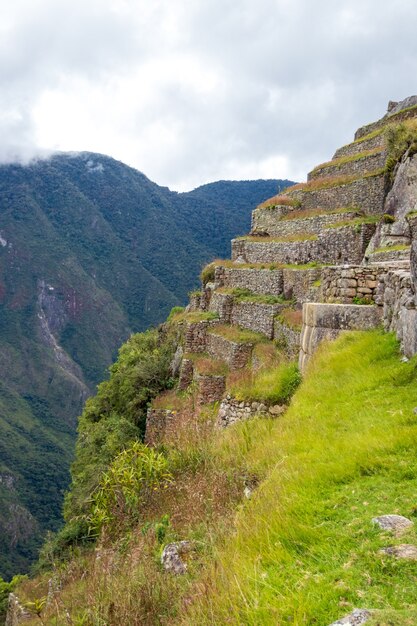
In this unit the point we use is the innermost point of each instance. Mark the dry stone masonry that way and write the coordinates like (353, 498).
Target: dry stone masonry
(342, 248)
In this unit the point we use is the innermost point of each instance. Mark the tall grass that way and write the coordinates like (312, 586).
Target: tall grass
(303, 550)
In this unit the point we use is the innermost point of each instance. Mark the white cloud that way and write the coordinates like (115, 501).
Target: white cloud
(191, 91)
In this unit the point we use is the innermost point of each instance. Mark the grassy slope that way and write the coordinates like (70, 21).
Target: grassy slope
(302, 550)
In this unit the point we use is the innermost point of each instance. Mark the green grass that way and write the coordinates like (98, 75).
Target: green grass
(357, 221)
(289, 239)
(391, 248)
(273, 385)
(267, 266)
(306, 213)
(245, 295)
(236, 334)
(303, 549)
(329, 182)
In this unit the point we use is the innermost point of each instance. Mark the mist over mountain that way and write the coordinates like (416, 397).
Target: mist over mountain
(90, 251)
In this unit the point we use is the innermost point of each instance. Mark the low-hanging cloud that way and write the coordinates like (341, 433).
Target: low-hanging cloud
(190, 92)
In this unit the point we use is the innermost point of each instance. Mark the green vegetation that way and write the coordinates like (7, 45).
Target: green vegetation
(360, 156)
(236, 334)
(357, 221)
(132, 477)
(176, 310)
(293, 318)
(306, 213)
(279, 200)
(274, 385)
(362, 300)
(304, 549)
(106, 252)
(289, 239)
(391, 248)
(245, 295)
(115, 417)
(368, 136)
(335, 181)
(5, 590)
(401, 139)
(207, 273)
(193, 317)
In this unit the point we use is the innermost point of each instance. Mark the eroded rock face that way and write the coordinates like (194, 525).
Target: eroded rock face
(396, 524)
(357, 617)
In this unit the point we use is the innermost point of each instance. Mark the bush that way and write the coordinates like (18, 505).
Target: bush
(133, 475)
(207, 273)
(116, 416)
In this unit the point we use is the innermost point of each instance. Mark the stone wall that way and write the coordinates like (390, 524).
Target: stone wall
(232, 410)
(361, 146)
(397, 294)
(159, 422)
(221, 304)
(327, 321)
(366, 193)
(343, 284)
(270, 214)
(186, 374)
(195, 336)
(236, 355)
(300, 284)
(387, 119)
(356, 167)
(265, 222)
(255, 316)
(210, 388)
(259, 281)
(336, 245)
(287, 338)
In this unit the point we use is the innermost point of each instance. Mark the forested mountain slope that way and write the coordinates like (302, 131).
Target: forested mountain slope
(90, 250)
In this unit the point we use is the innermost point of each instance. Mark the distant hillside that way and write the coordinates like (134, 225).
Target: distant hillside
(90, 250)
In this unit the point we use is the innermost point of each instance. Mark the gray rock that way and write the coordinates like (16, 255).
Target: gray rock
(404, 551)
(175, 364)
(394, 523)
(16, 613)
(415, 410)
(277, 409)
(357, 617)
(171, 557)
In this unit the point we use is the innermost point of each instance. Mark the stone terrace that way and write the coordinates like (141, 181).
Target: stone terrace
(325, 241)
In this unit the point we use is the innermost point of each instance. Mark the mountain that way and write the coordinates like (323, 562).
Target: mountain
(90, 251)
(276, 482)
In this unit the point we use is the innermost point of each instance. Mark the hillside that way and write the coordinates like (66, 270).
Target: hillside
(90, 251)
(276, 482)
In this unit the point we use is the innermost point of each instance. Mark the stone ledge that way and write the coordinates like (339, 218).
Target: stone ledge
(327, 321)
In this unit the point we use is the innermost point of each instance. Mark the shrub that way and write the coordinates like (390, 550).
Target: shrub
(207, 273)
(133, 475)
(401, 139)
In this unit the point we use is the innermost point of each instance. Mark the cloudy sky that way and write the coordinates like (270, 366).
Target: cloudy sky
(191, 91)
